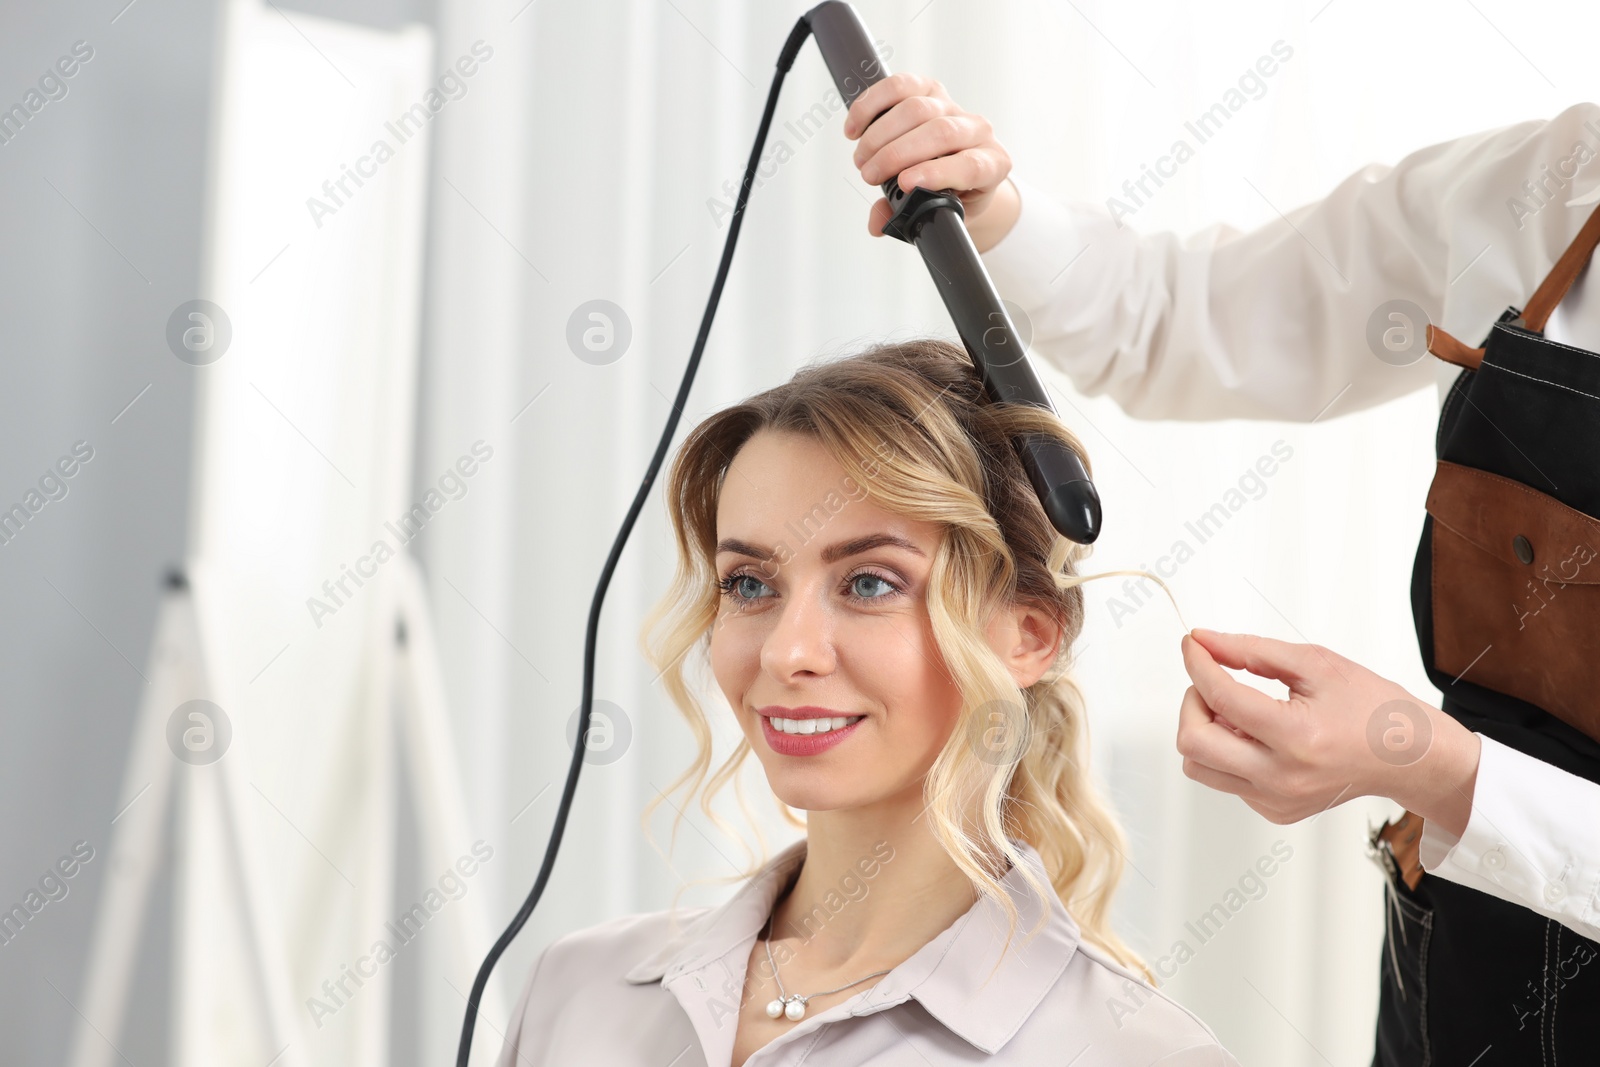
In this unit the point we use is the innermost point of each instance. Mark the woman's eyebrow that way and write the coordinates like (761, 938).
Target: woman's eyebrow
(832, 553)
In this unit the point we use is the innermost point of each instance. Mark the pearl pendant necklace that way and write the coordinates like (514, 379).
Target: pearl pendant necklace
(793, 1005)
(794, 1009)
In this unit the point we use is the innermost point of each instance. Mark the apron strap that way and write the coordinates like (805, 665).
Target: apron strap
(1447, 348)
(1551, 291)
(1562, 275)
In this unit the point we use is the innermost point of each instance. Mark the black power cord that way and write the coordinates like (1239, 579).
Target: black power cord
(791, 47)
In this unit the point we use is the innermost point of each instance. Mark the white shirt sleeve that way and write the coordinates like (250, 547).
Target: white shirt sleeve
(1273, 322)
(1533, 838)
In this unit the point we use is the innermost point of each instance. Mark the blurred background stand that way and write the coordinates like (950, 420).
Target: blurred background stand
(311, 648)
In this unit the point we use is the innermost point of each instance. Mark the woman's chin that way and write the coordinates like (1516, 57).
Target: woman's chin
(815, 793)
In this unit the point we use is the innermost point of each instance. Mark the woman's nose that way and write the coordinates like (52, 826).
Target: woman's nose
(801, 640)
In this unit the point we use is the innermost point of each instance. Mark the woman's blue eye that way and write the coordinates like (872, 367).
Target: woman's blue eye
(734, 587)
(870, 578)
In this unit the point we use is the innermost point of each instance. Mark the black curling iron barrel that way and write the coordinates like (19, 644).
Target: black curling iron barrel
(934, 223)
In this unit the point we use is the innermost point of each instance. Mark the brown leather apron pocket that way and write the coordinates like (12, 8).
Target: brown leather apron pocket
(1516, 592)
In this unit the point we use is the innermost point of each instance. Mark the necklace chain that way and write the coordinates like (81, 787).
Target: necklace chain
(793, 1006)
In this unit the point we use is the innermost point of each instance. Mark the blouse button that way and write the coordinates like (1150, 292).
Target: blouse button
(1554, 893)
(1495, 859)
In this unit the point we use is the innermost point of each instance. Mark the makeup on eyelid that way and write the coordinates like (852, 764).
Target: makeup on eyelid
(726, 585)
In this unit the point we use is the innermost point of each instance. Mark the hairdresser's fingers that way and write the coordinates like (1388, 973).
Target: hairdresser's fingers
(974, 174)
(949, 152)
(1227, 783)
(1244, 706)
(1205, 740)
(907, 115)
(880, 214)
(883, 95)
(1272, 813)
(1277, 786)
(1300, 667)
(1221, 781)
(1262, 804)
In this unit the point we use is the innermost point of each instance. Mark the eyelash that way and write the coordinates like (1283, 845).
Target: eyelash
(727, 586)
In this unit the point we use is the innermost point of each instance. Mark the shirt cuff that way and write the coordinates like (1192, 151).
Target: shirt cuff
(1529, 840)
(1046, 238)
(1436, 843)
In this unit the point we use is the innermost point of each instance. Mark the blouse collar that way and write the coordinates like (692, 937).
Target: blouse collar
(947, 975)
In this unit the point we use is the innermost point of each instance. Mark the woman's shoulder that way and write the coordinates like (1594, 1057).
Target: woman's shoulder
(585, 978)
(1130, 1015)
(633, 944)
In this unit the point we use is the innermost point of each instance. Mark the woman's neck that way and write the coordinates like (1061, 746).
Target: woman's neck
(869, 893)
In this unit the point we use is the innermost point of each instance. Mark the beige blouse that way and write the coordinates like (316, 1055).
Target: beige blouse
(633, 993)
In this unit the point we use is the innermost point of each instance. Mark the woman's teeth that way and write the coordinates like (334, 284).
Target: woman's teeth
(813, 726)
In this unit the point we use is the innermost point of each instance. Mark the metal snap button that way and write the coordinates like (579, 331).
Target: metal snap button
(1495, 859)
(1554, 893)
(1523, 548)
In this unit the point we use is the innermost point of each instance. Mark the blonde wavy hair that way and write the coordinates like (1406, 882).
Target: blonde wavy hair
(911, 424)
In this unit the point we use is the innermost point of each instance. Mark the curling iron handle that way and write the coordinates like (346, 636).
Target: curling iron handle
(852, 60)
(846, 48)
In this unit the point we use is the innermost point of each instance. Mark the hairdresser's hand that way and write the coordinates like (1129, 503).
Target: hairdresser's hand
(1343, 732)
(919, 133)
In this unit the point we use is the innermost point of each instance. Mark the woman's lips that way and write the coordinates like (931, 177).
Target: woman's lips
(804, 744)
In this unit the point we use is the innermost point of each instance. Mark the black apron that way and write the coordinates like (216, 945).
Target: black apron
(1505, 594)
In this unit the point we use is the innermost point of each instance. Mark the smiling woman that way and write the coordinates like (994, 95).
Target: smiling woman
(867, 571)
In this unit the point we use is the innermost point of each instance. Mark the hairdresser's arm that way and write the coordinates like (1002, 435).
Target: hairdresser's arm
(1533, 838)
(1494, 819)
(1266, 323)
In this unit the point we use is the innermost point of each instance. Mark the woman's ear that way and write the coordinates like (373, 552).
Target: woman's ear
(1028, 640)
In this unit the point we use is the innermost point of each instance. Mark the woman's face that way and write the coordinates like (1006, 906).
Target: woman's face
(824, 607)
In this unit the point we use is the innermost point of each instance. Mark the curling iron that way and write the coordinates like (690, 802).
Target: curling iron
(931, 221)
